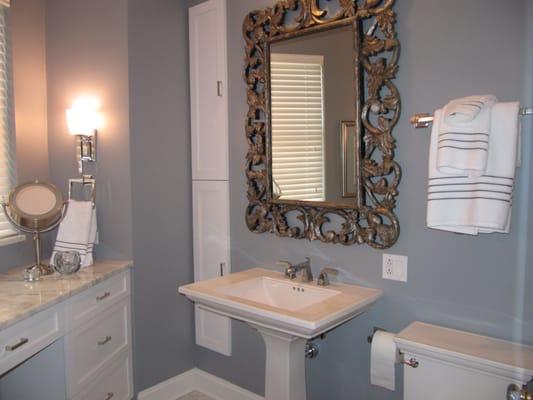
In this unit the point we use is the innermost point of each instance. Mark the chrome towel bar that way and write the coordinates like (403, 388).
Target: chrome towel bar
(424, 120)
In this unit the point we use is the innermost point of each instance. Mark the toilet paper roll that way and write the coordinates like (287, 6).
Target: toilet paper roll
(383, 356)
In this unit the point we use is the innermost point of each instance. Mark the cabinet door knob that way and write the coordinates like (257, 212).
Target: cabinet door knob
(219, 88)
(222, 266)
(104, 341)
(105, 295)
(20, 343)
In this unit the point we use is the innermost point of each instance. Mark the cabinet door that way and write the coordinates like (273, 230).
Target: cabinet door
(208, 81)
(211, 257)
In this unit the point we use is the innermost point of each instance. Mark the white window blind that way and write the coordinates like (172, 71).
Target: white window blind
(7, 145)
(297, 126)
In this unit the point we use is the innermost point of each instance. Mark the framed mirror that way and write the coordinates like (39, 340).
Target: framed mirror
(322, 106)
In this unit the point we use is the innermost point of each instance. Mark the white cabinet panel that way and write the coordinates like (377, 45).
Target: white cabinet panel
(22, 340)
(211, 257)
(438, 380)
(208, 85)
(210, 228)
(92, 346)
(115, 381)
(97, 299)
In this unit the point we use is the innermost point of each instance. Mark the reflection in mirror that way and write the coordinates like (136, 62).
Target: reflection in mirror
(349, 158)
(312, 91)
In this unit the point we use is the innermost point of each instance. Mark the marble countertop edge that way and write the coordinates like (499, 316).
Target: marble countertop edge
(20, 300)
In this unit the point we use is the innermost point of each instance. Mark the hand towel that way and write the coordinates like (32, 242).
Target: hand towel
(465, 109)
(477, 205)
(463, 146)
(78, 231)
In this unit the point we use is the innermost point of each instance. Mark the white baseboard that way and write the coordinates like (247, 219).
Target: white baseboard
(172, 388)
(196, 379)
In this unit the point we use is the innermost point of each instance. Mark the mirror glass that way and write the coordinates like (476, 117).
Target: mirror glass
(313, 95)
(34, 206)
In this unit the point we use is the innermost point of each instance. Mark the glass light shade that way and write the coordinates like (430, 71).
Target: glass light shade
(83, 121)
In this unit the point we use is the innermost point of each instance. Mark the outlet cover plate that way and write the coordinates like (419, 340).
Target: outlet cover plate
(395, 267)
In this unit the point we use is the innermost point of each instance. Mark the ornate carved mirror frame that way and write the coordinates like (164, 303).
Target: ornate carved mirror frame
(372, 219)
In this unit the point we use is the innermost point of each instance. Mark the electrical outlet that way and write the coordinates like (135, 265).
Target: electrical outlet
(395, 267)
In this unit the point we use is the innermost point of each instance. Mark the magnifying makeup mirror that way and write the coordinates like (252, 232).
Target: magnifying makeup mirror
(36, 208)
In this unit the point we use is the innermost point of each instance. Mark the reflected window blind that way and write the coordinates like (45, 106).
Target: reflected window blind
(7, 145)
(297, 126)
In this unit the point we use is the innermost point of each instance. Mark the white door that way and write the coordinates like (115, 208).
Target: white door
(211, 257)
(208, 85)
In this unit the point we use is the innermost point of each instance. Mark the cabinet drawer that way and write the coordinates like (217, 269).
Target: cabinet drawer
(23, 340)
(92, 302)
(91, 346)
(113, 383)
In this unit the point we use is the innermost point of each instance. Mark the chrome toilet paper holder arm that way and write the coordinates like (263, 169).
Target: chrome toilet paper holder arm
(412, 362)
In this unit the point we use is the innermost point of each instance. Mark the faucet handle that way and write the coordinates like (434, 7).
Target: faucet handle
(290, 271)
(283, 263)
(323, 277)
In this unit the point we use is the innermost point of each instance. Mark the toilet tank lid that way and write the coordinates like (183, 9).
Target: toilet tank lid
(501, 357)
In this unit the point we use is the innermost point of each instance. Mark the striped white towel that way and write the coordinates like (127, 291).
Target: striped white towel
(477, 205)
(464, 142)
(465, 109)
(78, 231)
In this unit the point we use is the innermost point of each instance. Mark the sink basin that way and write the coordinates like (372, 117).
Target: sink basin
(278, 293)
(269, 299)
(286, 313)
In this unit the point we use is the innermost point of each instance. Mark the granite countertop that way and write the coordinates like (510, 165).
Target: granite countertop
(20, 299)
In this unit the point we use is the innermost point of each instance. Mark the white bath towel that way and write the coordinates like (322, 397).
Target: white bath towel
(464, 141)
(465, 109)
(477, 205)
(78, 231)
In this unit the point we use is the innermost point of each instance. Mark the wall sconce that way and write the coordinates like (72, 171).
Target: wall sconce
(83, 121)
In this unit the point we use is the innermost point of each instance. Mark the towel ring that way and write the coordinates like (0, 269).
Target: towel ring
(84, 181)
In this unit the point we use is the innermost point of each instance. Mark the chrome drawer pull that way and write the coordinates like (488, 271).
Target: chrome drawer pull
(105, 295)
(14, 347)
(106, 340)
(109, 396)
(412, 362)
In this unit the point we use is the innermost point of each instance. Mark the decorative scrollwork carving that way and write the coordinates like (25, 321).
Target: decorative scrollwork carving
(372, 221)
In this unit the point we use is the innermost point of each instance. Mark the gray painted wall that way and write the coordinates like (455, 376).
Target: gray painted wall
(525, 246)
(161, 190)
(150, 44)
(449, 49)
(87, 54)
(29, 85)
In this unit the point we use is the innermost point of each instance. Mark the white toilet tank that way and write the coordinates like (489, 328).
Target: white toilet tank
(454, 364)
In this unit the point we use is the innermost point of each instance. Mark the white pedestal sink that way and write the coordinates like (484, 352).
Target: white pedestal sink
(287, 313)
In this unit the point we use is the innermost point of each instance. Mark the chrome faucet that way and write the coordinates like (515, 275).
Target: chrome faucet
(323, 277)
(292, 270)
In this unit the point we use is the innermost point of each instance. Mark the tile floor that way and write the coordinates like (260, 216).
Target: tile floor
(195, 395)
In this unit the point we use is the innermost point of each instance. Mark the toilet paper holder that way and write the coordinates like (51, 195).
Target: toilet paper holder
(412, 362)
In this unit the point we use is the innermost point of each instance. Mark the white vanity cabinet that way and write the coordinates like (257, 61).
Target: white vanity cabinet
(90, 310)
(209, 141)
(98, 341)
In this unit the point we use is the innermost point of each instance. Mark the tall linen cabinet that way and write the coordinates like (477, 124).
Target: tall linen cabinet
(209, 143)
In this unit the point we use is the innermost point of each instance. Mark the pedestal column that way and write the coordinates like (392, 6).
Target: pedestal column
(285, 365)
